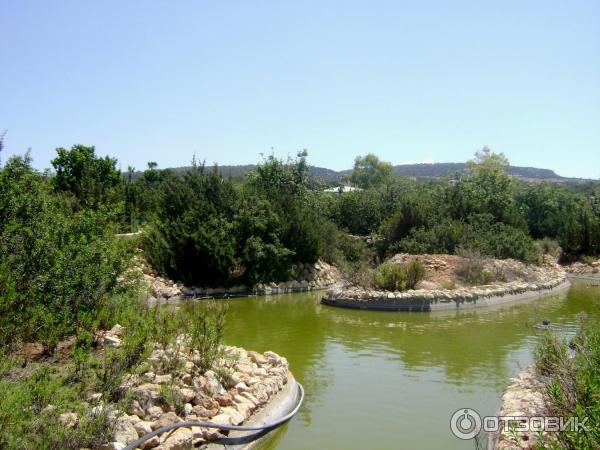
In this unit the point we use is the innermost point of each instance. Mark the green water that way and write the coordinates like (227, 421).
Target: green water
(389, 380)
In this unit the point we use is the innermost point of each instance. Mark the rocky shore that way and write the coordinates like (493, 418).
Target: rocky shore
(172, 388)
(317, 276)
(580, 268)
(541, 280)
(525, 396)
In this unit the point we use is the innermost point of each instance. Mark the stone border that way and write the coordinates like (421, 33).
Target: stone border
(279, 405)
(595, 279)
(153, 301)
(525, 396)
(260, 390)
(313, 277)
(439, 300)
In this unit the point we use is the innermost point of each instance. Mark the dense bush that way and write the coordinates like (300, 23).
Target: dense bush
(358, 212)
(398, 277)
(498, 240)
(209, 231)
(412, 212)
(91, 180)
(57, 265)
(565, 215)
(549, 246)
(480, 233)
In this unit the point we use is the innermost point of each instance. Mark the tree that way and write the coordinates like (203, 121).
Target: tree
(92, 180)
(57, 265)
(2, 144)
(370, 172)
(280, 180)
(485, 189)
(359, 212)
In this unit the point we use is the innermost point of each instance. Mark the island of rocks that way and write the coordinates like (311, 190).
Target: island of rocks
(443, 290)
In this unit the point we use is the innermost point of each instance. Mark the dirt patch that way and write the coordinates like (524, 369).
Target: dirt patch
(441, 270)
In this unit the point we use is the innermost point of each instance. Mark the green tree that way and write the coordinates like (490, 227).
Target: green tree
(359, 212)
(192, 238)
(57, 265)
(2, 144)
(92, 180)
(370, 172)
(485, 189)
(286, 185)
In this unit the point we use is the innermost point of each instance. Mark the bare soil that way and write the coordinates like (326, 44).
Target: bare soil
(441, 270)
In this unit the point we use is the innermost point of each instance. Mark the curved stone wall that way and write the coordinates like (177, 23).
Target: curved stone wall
(432, 300)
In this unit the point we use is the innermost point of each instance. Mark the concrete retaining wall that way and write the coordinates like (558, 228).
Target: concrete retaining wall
(421, 300)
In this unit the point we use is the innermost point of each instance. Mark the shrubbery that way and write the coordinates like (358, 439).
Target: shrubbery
(398, 277)
(57, 265)
(34, 399)
(549, 246)
(359, 212)
(574, 384)
(210, 232)
(480, 233)
(472, 269)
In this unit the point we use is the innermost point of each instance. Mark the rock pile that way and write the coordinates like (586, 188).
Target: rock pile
(244, 382)
(579, 268)
(524, 397)
(432, 263)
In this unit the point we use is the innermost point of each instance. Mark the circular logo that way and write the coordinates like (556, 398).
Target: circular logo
(465, 423)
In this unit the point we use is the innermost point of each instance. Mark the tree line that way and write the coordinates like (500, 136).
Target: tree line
(59, 256)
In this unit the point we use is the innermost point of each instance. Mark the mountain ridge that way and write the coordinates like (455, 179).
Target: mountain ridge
(419, 171)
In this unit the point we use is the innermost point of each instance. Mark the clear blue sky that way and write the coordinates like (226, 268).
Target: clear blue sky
(228, 80)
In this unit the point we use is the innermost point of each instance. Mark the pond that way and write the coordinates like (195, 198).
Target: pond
(390, 380)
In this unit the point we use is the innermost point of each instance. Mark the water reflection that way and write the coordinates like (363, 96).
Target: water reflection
(387, 367)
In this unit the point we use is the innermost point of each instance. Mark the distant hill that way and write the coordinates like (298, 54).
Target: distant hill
(417, 171)
(438, 170)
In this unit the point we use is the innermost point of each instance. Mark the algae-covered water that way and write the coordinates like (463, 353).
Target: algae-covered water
(390, 380)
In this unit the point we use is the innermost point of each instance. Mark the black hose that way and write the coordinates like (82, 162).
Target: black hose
(266, 426)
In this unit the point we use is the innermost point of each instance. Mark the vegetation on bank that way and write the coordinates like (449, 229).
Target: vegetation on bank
(207, 230)
(85, 380)
(65, 275)
(398, 277)
(60, 259)
(573, 384)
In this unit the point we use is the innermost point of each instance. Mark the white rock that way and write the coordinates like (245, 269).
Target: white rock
(124, 430)
(234, 414)
(153, 413)
(117, 330)
(112, 340)
(143, 428)
(221, 419)
(180, 439)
